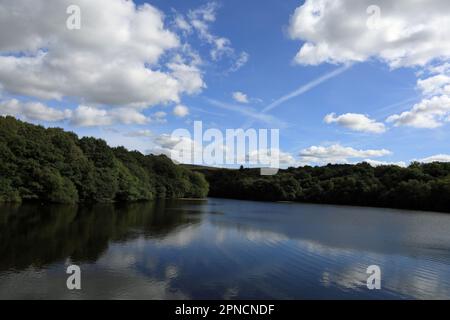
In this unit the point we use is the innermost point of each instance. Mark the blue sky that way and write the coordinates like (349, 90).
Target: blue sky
(264, 57)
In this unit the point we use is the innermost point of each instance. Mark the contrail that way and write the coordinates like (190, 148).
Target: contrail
(247, 111)
(305, 88)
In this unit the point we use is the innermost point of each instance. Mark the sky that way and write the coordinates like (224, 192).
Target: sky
(344, 81)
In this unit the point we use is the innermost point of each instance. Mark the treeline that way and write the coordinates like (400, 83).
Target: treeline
(417, 187)
(51, 165)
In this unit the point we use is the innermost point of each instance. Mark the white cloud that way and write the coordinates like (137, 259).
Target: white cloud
(178, 148)
(200, 20)
(375, 163)
(434, 109)
(114, 59)
(402, 36)
(429, 113)
(159, 117)
(435, 85)
(436, 158)
(32, 111)
(189, 77)
(240, 97)
(356, 122)
(85, 116)
(181, 111)
(440, 68)
(160, 114)
(337, 154)
(139, 133)
(285, 158)
(240, 62)
(337, 31)
(182, 24)
(183, 149)
(264, 156)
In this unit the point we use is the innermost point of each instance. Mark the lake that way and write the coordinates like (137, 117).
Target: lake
(222, 249)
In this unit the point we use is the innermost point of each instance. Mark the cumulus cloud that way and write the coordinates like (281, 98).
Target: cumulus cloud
(181, 111)
(188, 76)
(240, 97)
(395, 32)
(433, 110)
(85, 116)
(139, 133)
(32, 111)
(337, 154)
(429, 113)
(436, 158)
(181, 149)
(217, 152)
(266, 156)
(375, 163)
(184, 149)
(438, 84)
(114, 59)
(443, 68)
(338, 31)
(356, 122)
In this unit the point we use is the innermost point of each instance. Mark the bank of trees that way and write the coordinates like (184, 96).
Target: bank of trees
(419, 186)
(51, 165)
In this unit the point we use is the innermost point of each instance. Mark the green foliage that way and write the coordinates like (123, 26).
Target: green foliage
(51, 165)
(419, 187)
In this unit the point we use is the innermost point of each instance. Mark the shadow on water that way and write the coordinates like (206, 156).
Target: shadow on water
(39, 235)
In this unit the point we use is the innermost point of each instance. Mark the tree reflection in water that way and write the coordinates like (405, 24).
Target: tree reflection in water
(38, 235)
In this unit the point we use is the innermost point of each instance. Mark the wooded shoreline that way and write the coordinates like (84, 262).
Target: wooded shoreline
(54, 166)
(421, 186)
(51, 165)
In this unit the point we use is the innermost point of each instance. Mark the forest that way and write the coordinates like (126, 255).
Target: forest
(418, 187)
(51, 165)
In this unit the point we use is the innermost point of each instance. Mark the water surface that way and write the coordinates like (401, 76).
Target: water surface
(222, 249)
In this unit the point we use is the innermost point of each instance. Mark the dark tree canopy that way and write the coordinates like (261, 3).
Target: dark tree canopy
(51, 165)
(417, 187)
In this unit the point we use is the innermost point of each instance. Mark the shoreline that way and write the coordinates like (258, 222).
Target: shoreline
(224, 198)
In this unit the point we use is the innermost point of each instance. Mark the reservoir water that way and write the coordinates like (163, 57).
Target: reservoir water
(222, 249)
